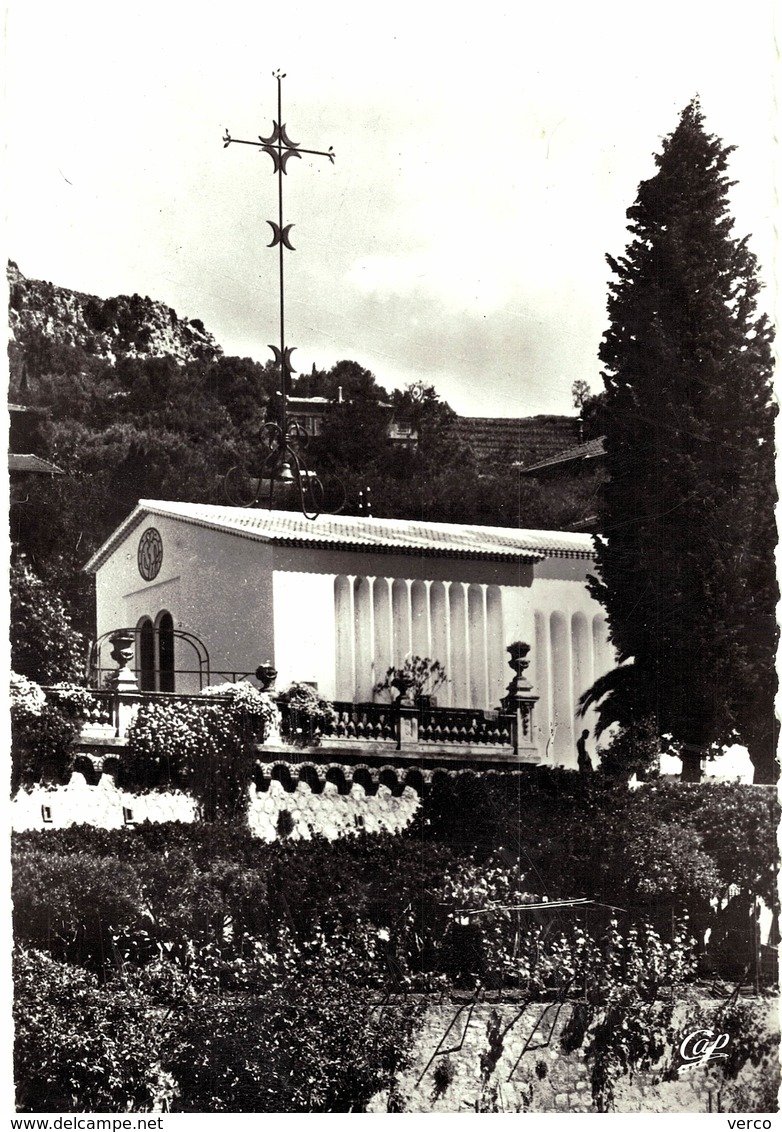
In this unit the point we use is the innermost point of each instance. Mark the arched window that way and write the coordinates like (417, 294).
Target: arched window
(164, 631)
(145, 651)
(155, 653)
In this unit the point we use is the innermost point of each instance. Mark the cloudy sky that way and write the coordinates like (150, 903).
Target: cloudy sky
(486, 155)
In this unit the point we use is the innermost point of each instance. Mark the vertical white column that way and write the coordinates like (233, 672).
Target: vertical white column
(400, 608)
(541, 667)
(343, 638)
(582, 656)
(601, 646)
(476, 621)
(438, 620)
(362, 605)
(383, 628)
(496, 655)
(460, 657)
(562, 690)
(419, 616)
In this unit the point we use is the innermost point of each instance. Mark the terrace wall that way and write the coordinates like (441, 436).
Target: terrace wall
(336, 809)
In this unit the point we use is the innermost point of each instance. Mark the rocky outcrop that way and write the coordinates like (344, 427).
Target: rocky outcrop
(124, 326)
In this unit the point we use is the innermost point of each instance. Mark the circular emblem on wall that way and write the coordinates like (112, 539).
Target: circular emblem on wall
(150, 554)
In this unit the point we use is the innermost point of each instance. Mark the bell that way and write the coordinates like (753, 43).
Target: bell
(285, 477)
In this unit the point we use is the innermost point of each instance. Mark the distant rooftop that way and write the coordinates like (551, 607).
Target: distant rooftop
(520, 441)
(18, 462)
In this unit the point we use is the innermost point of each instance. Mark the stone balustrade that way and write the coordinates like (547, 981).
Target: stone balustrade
(406, 731)
(425, 731)
(403, 732)
(420, 730)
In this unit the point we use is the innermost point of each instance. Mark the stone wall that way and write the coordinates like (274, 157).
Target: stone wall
(103, 805)
(329, 813)
(505, 1059)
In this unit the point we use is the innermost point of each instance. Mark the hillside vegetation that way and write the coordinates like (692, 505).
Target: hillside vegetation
(135, 402)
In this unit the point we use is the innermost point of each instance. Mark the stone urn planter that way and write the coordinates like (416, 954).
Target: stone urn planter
(122, 646)
(266, 674)
(403, 683)
(519, 651)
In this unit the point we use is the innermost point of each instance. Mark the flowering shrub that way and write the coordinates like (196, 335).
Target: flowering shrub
(69, 905)
(321, 1047)
(491, 940)
(192, 745)
(165, 740)
(80, 1047)
(41, 736)
(483, 935)
(248, 709)
(623, 1016)
(306, 716)
(73, 700)
(27, 697)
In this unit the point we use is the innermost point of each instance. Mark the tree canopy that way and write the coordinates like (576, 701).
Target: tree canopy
(686, 556)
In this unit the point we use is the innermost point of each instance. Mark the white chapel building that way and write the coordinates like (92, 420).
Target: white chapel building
(212, 592)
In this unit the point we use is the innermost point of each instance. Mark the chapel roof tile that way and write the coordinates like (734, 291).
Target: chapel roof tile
(351, 532)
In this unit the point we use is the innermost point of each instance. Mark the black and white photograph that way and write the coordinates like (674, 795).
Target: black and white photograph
(393, 702)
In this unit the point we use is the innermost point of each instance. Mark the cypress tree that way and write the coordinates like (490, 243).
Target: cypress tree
(686, 555)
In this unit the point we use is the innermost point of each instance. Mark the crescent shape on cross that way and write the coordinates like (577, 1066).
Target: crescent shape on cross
(285, 155)
(273, 137)
(274, 156)
(284, 360)
(281, 236)
(283, 134)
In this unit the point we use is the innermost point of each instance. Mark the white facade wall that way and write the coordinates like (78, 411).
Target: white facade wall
(214, 584)
(350, 615)
(304, 634)
(340, 618)
(570, 650)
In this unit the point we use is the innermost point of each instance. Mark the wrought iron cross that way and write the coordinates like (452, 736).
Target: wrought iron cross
(281, 149)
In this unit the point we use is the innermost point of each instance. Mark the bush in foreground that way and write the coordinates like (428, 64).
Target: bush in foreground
(79, 1047)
